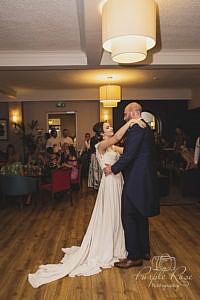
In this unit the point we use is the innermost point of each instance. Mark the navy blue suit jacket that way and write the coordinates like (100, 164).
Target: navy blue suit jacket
(137, 165)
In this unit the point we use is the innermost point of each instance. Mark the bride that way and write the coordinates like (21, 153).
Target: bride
(103, 243)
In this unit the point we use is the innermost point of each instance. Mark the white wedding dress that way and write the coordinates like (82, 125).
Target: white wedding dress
(103, 243)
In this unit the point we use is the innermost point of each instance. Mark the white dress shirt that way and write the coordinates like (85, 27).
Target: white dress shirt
(67, 140)
(54, 143)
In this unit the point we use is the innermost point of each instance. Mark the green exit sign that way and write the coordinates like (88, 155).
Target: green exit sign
(60, 104)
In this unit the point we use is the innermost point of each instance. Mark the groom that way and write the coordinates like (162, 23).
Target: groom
(139, 196)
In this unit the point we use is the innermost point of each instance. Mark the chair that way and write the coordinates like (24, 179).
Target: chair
(60, 181)
(17, 186)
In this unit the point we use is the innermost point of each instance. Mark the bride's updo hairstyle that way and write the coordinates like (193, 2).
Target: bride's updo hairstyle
(98, 129)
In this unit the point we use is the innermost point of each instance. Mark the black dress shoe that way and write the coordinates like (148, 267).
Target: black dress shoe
(128, 263)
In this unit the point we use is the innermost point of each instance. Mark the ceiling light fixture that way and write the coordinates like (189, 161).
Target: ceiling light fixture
(128, 29)
(110, 95)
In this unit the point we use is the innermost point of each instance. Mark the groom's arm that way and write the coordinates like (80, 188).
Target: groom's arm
(133, 143)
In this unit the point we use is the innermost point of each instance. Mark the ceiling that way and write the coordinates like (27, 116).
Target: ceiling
(53, 44)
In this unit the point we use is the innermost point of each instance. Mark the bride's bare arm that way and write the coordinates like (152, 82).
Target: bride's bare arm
(119, 149)
(119, 134)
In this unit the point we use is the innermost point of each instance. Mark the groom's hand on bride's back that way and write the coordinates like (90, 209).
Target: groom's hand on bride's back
(107, 169)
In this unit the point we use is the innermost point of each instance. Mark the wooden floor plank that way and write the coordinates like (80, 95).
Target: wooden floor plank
(36, 235)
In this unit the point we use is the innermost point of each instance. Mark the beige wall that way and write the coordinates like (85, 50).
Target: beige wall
(93, 94)
(3, 110)
(156, 94)
(37, 103)
(87, 114)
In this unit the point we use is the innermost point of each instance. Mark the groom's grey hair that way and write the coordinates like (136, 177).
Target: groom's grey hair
(134, 106)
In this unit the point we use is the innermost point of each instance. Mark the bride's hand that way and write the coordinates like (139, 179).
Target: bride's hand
(140, 122)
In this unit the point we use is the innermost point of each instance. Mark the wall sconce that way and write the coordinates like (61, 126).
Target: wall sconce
(110, 95)
(128, 29)
(14, 118)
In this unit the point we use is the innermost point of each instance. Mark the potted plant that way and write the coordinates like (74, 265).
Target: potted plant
(27, 134)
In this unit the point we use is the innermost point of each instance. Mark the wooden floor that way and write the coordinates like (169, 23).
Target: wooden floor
(36, 235)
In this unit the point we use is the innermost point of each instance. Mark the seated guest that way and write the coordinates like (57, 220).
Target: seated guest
(66, 139)
(188, 156)
(72, 163)
(53, 141)
(64, 153)
(13, 165)
(53, 159)
(52, 163)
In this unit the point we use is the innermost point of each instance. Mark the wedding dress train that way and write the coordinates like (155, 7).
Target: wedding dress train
(103, 243)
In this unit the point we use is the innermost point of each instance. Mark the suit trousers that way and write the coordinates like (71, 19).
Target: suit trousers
(136, 230)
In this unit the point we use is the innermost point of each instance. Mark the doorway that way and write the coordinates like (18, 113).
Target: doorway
(62, 120)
